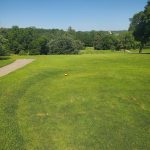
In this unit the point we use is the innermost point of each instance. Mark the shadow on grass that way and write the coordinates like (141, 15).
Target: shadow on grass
(4, 57)
(140, 53)
(144, 53)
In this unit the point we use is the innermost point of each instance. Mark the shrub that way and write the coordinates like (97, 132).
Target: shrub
(63, 45)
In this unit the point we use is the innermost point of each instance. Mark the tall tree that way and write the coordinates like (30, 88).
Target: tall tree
(140, 25)
(126, 41)
(3, 46)
(104, 41)
(72, 32)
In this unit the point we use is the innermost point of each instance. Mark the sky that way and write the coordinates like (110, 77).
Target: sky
(83, 15)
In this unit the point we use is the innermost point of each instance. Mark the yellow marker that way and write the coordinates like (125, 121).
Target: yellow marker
(66, 74)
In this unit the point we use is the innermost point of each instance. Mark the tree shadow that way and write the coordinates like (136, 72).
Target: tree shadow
(144, 53)
(4, 57)
(140, 53)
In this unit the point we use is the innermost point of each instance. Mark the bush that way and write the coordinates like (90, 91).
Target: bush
(63, 45)
(22, 52)
(39, 46)
(79, 45)
(105, 42)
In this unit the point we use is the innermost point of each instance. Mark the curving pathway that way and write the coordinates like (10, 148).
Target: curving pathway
(14, 66)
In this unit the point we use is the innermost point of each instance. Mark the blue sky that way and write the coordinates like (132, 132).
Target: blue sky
(80, 14)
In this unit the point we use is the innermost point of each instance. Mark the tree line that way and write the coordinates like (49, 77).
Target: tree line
(34, 41)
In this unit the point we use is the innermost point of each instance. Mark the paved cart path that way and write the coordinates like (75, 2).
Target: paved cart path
(14, 66)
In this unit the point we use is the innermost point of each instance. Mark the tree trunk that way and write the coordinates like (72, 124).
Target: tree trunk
(141, 48)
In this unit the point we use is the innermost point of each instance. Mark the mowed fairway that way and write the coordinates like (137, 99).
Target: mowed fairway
(103, 103)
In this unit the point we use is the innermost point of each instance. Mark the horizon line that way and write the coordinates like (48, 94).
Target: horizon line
(34, 27)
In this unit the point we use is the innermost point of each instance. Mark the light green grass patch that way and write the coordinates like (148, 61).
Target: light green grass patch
(91, 50)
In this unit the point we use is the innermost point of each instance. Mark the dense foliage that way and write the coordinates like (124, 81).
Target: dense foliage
(38, 41)
(63, 45)
(140, 26)
(35, 41)
(122, 41)
(3, 46)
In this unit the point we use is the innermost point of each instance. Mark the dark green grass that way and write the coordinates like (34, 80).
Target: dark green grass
(103, 103)
(147, 51)
(91, 50)
(5, 60)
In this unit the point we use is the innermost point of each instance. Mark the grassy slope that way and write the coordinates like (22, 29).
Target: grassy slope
(5, 60)
(103, 103)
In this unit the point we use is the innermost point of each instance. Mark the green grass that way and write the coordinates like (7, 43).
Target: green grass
(103, 103)
(143, 51)
(5, 60)
(91, 50)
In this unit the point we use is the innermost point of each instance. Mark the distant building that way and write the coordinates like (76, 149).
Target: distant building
(109, 32)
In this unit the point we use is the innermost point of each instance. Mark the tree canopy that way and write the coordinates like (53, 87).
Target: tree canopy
(140, 26)
(34, 41)
(3, 46)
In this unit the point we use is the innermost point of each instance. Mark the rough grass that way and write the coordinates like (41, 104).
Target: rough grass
(91, 50)
(5, 60)
(103, 103)
(143, 51)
